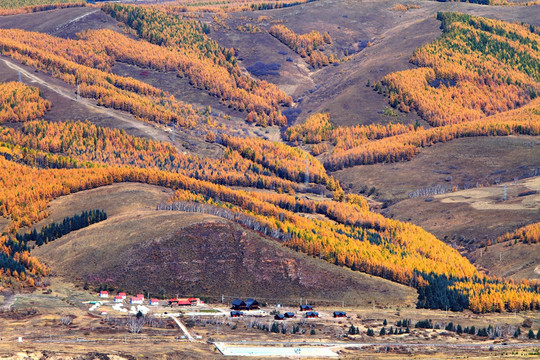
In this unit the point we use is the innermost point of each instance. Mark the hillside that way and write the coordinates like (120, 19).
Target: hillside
(135, 80)
(168, 253)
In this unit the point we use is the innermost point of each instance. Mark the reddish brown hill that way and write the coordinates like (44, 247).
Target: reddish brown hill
(168, 253)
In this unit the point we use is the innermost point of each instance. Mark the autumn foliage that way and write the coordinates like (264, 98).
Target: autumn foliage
(258, 183)
(13, 7)
(478, 67)
(522, 121)
(185, 47)
(181, 7)
(19, 102)
(529, 234)
(309, 46)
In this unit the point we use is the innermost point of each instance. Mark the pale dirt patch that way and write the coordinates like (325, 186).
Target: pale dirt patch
(491, 198)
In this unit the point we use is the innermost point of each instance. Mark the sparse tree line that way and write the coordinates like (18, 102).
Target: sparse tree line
(308, 46)
(13, 7)
(183, 7)
(529, 234)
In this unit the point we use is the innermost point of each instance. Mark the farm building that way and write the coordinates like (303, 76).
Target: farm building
(195, 301)
(312, 314)
(236, 313)
(306, 307)
(123, 295)
(279, 317)
(184, 302)
(238, 304)
(140, 296)
(118, 299)
(173, 302)
(289, 315)
(252, 304)
(249, 304)
(154, 302)
(136, 300)
(103, 294)
(338, 314)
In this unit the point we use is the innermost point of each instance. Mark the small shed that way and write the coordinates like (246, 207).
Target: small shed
(118, 299)
(252, 304)
(312, 314)
(238, 304)
(154, 302)
(236, 314)
(306, 308)
(279, 317)
(289, 315)
(340, 314)
(123, 295)
(103, 294)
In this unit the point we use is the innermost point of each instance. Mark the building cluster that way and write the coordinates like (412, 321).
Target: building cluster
(139, 300)
(239, 306)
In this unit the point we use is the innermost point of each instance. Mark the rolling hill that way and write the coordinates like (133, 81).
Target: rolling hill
(167, 253)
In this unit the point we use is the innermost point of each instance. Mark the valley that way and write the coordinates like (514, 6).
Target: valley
(379, 158)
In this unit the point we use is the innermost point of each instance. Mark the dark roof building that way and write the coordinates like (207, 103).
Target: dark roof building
(289, 315)
(252, 304)
(238, 304)
(279, 317)
(340, 314)
(306, 307)
(236, 313)
(312, 314)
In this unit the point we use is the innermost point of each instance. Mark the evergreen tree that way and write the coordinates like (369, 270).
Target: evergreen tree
(459, 330)
(383, 331)
(531, 335)
(370, 332)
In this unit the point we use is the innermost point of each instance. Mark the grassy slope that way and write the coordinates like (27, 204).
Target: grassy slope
(173, 252)
(517, 261)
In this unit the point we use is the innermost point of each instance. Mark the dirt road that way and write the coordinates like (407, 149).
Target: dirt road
(67, 93)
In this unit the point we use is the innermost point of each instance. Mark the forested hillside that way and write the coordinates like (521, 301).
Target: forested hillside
(274, 188)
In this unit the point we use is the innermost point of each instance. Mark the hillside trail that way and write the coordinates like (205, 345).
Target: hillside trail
(149, 130)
